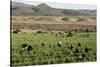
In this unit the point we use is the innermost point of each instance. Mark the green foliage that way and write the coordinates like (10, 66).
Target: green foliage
(17, 31)
(50, 53)
(65, 18)
(93, 17)
(81, 19)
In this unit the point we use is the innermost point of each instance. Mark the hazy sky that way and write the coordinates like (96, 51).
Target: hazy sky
(59, 5)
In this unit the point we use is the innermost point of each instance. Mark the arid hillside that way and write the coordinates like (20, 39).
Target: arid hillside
(55, 23)
(43, 9)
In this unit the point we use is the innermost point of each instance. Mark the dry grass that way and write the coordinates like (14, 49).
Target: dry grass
(55, 27)
(55, 23)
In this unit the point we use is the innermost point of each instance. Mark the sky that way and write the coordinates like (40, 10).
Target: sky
(59, 5)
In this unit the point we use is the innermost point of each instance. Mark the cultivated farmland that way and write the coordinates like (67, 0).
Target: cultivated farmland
(50, 53)
(52, 39)
(44, 34)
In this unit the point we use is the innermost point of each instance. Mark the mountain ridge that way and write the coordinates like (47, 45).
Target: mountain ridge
(22, 9)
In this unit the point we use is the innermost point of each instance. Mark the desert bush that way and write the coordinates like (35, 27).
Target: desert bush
(94, 18)
(40, 31)
(81, 19)
(17, 31)
(87, 30)
(65, 31)
(44, 19)
(65, 19)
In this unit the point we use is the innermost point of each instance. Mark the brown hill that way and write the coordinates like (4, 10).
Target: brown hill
(21, 9)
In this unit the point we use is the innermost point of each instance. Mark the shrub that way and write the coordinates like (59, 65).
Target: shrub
(65, 19)
(65, 31)
(81, 19)
(40, 31)
(87, 30)
(17, 31)
(94, 18)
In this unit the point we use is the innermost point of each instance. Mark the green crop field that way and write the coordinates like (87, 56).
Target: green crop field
(50, 53)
